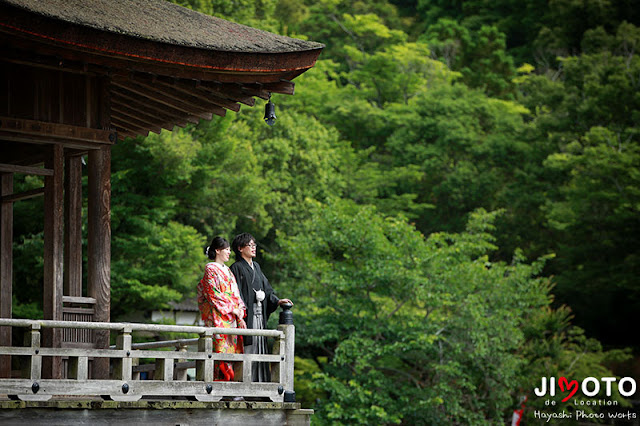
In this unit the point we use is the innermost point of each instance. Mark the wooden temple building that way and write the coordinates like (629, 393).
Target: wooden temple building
(76, 77)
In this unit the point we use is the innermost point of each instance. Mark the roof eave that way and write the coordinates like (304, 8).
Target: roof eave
(75, 42)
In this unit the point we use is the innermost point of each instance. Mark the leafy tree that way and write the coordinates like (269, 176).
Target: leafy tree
(299, 160)
(467, 147)
(479, 55)
(171, 193)
(398, 73)
(392, 312)
(590, 145)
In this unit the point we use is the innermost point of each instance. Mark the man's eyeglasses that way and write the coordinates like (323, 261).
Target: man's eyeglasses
(252, 245)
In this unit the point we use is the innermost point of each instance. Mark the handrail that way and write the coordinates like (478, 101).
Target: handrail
(124, 383)
(118, 326)
(162, 344)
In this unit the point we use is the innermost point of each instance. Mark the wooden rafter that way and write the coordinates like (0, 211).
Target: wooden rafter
(144, 116)
(161, 98)
(232, 91)
(162, 112)
(116, 117)
(187, 88)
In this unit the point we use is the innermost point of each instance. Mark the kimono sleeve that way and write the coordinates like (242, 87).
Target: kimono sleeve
(241, 282)
(236, 291)
(271, 298)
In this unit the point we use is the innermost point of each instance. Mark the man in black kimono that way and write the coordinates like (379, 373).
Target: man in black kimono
(259, 298)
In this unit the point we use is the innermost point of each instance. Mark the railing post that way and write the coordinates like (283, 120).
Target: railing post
(204, 367)
(32, 339)
(123, 366)
(181, 373)
(135, 375)
(78, 367)
(286, 367)
(164, 369)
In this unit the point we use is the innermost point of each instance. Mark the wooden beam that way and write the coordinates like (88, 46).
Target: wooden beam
(283, 87)
(255, 89)
(99, 247)
(163, 98)
(6, 268)
(167, 115)
(135, 122)
(81, 300)
(146, 116)
(25, 195)
(32, 59)
(40, 129)
(53, 257)
(186, 91)
(229, 90)
(73, 227)
(11, 168)
(125, 129)
(46, 140)
(124, 133)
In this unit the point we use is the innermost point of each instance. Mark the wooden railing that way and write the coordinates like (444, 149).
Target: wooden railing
(124, 383)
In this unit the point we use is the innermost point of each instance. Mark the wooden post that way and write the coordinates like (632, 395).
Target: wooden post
(123, 366)
(204, 368)
(181, 374)
(285, 375)
(53, 257)
(32, 340)
(73, 227)
(164, 369)
(78, 368)
(6, 268)
(99, 248)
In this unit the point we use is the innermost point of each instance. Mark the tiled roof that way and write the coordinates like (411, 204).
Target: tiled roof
(162, 21)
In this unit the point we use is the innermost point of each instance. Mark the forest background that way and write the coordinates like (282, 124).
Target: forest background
(450, 198)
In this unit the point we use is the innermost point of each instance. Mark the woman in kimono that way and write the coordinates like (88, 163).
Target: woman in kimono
(220, 304)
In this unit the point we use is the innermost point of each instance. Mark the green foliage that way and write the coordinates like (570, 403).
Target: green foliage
(467, 147)
(480, 56)
(398, 73)
(298, 161)
(171, 193)
(392, 311)
(590, 153)
(157, 264)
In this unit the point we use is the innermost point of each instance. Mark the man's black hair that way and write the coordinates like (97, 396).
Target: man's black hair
(240, 241)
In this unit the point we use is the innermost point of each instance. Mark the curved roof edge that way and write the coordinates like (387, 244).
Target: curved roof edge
(164, 22)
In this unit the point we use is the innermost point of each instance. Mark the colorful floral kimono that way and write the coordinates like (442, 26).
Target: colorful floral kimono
(218, 296)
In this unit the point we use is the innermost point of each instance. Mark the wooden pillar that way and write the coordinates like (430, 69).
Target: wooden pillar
(99, 247)
(73, 227)
(53, 257)
(6, 268)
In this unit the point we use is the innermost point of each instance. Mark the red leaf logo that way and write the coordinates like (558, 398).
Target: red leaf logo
(566, 385)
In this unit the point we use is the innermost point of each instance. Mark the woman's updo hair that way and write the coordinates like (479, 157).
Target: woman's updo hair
(218, 243)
